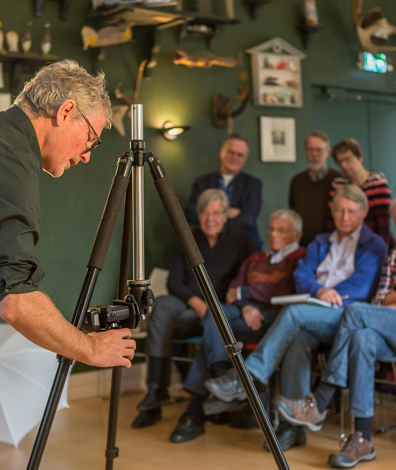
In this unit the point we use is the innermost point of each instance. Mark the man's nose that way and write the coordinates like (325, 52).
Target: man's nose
(85, 157)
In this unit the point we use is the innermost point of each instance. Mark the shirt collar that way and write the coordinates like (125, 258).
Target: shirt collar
(279, 256)
(353, 236)
(320, 176)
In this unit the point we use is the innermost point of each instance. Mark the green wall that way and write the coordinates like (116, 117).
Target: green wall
(72, 205)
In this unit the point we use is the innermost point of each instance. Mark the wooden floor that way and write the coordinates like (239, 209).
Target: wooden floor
(78, 438)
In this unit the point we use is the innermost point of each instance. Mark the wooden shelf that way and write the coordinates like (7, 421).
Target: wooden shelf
(17, 63)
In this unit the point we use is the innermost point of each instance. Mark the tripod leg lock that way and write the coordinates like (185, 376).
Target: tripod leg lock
(234, 348)
(112, 454)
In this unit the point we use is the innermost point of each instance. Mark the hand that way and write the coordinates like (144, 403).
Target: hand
(198, 305)
(231, 295)
(233, 212)
(329, 295)
(253, 317)
(111, 348)
(390, 300)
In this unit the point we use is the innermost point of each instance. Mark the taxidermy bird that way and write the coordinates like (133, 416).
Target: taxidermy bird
(26, 40)
(1, 39)
(46, 41)
(205, 59)
(106, 36)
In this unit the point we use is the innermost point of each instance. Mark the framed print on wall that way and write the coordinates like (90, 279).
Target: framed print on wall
(278, 139)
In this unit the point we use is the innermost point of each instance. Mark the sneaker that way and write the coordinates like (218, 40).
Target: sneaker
(356, 449)
(301, 412)
(227, 387)
(288, 436)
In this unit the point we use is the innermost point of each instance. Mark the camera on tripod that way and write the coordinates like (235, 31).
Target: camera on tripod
(125, 313)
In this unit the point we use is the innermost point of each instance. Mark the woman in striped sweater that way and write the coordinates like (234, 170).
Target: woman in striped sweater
(348, 155)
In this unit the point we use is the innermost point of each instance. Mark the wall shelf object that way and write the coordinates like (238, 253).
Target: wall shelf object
(254, 7)
(276, 74)
(17, 63)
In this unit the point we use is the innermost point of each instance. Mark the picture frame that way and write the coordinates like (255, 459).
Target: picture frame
(278, 139)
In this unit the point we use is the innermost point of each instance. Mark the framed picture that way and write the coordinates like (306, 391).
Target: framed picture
(5, 101)
(278, 139)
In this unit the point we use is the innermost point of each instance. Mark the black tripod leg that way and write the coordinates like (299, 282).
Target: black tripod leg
(195, 260)
(95, 264)
(125, 268)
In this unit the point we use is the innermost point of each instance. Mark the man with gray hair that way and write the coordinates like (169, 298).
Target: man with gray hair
(179, 315)
(248, 311)
(50, 127)
(339, 268)
(309, 192)
(243, 190)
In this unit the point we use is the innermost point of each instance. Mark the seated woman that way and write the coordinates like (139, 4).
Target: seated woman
(248, 309)
(348, 155)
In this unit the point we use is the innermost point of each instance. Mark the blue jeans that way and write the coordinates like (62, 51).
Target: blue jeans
(318, 324)
(212, 349)
(365, 333)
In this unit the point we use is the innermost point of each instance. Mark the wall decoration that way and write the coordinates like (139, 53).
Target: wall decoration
(5, 101)
(26, 39)
(311, 22)
(204, 59)
(46, 41)
(276, 72)
(372, 28)
(107, 36)
(1, 39)
(255, 6)
(278, 139)
(12, 39)
(64, 8)
(202, 23)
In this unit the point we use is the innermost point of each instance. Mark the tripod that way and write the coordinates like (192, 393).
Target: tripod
(136, 293)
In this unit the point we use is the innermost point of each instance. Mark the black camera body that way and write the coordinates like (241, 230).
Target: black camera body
(125, 313)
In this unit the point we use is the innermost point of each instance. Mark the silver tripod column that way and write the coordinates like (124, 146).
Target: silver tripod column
(138, 271)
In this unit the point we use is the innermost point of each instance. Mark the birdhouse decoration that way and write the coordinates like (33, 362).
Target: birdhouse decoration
(276, 74)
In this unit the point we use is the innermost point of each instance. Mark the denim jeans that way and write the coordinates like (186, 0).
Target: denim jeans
(212, 349)
(320, 322)
(365, 333)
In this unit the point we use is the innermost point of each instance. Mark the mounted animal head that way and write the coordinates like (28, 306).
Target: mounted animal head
(372, 28)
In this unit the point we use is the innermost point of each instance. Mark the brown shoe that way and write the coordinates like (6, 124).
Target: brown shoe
(301, 412)
(356, 449)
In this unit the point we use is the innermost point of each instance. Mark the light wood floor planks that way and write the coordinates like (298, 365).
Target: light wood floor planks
(78, 438)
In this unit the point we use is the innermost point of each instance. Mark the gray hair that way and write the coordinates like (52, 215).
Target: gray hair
(291, 215)
(55, 83)
(210, 195)
(353, 193)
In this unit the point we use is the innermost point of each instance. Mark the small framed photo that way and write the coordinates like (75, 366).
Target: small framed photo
(278, 139)
(5, 101)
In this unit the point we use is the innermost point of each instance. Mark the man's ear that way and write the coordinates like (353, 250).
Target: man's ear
(66, 111)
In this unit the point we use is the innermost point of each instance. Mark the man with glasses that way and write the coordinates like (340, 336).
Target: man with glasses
(339, 268)
(51, 127)
(309, 190)
(243, 190)
(249, 313)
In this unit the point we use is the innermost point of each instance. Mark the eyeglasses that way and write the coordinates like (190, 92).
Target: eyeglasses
(282, 231)
(97, 141)
(215, 215)
(348, 212)
(315, 149)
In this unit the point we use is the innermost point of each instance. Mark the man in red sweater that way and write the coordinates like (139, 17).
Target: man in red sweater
(248, 309)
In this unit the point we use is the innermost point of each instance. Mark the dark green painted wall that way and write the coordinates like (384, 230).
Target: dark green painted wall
(72, 205)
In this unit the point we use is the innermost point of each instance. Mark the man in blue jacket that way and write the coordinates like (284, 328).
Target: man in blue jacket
(243, 191)
(339, 268)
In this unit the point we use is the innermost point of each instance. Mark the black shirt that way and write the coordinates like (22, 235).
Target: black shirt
(222, 263)
(20, 169)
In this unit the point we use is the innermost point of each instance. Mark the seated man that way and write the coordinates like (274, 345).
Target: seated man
(249, 312)
(365, 333)
(243, 190)
(179, 314)
(339, 268)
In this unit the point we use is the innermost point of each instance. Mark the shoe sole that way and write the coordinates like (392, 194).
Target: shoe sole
(365, 458)
(214, 391)
(311, 426)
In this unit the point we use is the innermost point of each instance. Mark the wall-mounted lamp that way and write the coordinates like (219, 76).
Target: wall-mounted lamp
(170, 131)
